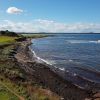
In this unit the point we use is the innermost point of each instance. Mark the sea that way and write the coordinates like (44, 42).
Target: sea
(74, 56)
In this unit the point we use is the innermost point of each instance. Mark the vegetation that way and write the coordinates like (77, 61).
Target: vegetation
(8, 33)
(5, 94)
(14, 84)
(7, 37)
(34, 35)
(7, 40)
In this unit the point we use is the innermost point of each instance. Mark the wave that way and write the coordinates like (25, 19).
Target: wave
(76, 79)
(82, 41)
(98, 41)
(40, 60)
(62, 69)
(86, 83)
(81, 81)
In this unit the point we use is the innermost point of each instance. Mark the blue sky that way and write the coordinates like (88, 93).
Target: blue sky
(50, 15)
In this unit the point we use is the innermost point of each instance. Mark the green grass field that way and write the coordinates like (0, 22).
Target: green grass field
(6, 95)
(7, 39)
(34, 35)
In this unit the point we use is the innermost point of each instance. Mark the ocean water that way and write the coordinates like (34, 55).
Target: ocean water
(76, 57)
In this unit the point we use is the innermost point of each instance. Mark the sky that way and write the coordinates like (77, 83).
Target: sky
(50, 15)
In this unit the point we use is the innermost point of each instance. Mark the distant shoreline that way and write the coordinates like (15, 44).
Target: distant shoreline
(60, 33)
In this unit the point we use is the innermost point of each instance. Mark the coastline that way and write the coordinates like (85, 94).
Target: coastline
(43, 75)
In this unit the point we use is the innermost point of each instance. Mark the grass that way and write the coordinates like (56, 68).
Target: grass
(12, 88)
(35, 35)
(6, 95)
(7, 40)
(9, 70)
(43, 94)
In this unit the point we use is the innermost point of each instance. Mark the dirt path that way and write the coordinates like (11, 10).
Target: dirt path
(20, 97)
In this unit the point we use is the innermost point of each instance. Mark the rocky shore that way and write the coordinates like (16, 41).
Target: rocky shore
(44, 76)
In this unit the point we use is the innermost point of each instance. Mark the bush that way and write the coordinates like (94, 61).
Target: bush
(8, 33)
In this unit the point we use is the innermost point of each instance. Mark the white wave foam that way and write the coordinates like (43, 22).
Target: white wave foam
(76, 41)
(82, 41)
(70, 60)
(63, 69)
(98, 41)
(38, 59)
(75, 74)
(67, 71)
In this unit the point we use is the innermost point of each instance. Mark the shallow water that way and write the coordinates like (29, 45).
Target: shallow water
(77, 56)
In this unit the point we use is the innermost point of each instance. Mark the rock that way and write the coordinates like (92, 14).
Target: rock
(97, 99)
(62, 99)
(88, 99)
(97, 95)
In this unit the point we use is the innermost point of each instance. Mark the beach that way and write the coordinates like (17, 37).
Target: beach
(43, 75)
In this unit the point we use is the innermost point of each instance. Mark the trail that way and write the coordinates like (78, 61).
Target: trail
(20, 97)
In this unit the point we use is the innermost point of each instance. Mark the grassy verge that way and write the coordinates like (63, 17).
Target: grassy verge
(14, 84)
(7, 40)
(5, 95)
(35, 35)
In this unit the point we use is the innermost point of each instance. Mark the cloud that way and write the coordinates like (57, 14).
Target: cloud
(40, 25)
(14, 10)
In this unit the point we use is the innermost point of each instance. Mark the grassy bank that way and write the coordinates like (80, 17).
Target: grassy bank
(4, 40)
(14, 82)
(35, 35)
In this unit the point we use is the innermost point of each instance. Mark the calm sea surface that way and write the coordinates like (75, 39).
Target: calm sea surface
(77, 56)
